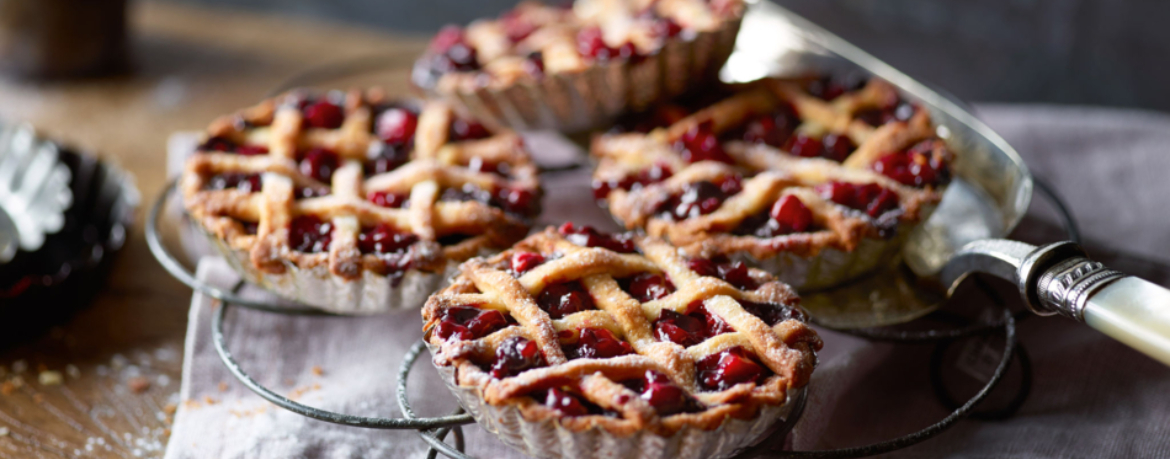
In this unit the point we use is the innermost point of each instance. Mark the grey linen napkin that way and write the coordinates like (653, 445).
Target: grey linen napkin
(1091, 397)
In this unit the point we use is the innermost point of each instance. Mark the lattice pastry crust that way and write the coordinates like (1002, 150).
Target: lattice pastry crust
(515, 283)
(643, 177)
(534, 39)
(387, 186)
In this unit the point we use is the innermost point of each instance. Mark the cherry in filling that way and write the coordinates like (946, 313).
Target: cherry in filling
(522, 262)
(568, 403)
(534, 65)
(310, 234)
(699, 143)
(224, 145)
(390, 200)
(788, 215)
(871, 198)
(560, 300)
(691, 328)
(323, 114)
(451, 52)
(514, 356)
(830, 146)
(900, 110)
(396, 126)
(464, 129)
(247, 183)
(701, 198)
(597, 343)
(653, 174)
(478, 164)
(829, 88)
(771, 314)
(647, 286)
(772, 129)
(723, 370)
(469, 322)
(319, 163)
(734, 272)
(384, 238)
(591, 44)
(664, 395)
(917, 166)
(516, 28)
(587, 236)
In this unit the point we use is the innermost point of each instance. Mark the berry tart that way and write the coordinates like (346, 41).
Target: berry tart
(577, 68)
(816, 180)
(355, 203)
(580, 344)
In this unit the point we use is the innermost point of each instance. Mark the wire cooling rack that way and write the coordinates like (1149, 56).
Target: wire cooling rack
(435, 430)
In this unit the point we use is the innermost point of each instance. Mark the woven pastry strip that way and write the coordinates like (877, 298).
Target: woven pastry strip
(786, 348)
(640, 173)
(274, 145)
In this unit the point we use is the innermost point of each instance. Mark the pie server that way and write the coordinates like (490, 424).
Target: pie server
(990, 194)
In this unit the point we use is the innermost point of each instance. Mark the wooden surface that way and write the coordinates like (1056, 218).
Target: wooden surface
(121, 358)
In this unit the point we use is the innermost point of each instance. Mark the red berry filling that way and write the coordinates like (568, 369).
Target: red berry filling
(516, 201)
(653, 174)
(390, 200)
(396, 126)
(597, 343)
(830, 146)
(723, 370)
(916, 167)
(591, 44)
(567, 403)
(560, 300)
(699, 143)
(319, 163)
(897, 111)
(310, 234)
(522, 262)
(829, 88)
(647, 286)
(586, 236)
(514, 356)
(385, 159)
(534, 65)
(871, 198)
(384, 239)
(664, 395)
(477, 164)
(734, 272)
(701, 198)
(771, 314)
(468, 323)
(462, 129)
(247, 183)
(788, 215)
(227, 146)
(516, 28)
(772, 129)
(452, 53)
(323, 114)
(691, 328)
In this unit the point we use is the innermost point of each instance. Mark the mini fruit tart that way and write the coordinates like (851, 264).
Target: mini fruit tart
(579, 344)
(355, 203)
(577, 68)
(814, 180)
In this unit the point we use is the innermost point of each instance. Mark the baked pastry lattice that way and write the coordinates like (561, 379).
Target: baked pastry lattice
(620, 332)
(777, 167)
(357, 182)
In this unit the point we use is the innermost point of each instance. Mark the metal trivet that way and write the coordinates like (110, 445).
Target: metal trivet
(434, 430)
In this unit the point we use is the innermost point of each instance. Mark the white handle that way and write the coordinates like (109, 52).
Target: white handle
(1135, 312)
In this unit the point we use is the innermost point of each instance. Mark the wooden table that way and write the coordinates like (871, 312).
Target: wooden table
(121, 358)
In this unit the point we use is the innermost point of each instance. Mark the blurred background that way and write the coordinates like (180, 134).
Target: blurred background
(1097, 52)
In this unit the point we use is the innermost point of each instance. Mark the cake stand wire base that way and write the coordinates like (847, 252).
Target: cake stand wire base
(435, 430)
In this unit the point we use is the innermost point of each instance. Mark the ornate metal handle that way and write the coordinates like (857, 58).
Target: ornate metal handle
(1060, 279)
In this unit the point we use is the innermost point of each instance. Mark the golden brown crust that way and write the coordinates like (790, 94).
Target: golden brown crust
(555, 36)
(436, 163)
(788, 348)
(769, 173)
